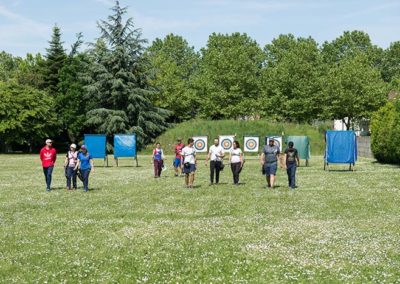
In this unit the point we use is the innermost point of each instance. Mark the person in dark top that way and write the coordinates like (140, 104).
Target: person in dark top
(269, 161)
(292, 162)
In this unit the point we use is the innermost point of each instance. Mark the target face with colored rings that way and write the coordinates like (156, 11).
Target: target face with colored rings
(200, 145)
(277, 142)
(226, 144)
(251, 144)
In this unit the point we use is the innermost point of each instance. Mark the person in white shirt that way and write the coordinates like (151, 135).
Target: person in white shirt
(215, 154)
(69, 165)
(237, 161)
(189, 163)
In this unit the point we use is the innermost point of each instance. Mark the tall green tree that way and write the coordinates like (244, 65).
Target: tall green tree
(292, 79)
(173, 66)
(55, 60)
(117, 82)
(29, 71)
(70, 103)
(350, 44)
(8, 66)
(228, 82)
(391, 62)
(354, 90)
(26, 115)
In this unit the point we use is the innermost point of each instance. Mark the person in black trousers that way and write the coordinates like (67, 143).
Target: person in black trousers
(236, 160)
(216, 155)
(292, 162)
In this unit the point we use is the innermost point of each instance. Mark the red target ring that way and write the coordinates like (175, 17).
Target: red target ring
(200, 145)
(251, 144)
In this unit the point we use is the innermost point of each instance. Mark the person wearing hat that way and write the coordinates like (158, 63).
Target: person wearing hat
(69, 164)
(269, 161)
(48, 156)
(178, 157)
(85, 166)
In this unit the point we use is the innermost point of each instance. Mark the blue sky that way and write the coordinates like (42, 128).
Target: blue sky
(25, 25)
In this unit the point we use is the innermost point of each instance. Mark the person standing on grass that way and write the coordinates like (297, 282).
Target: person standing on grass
(158, 160)
(292, 162)
(236, 160)
(69, 164)
(215, 154)
(85, 166)
(178, 157)
(269, 161)
(48, 156)
(189, 163)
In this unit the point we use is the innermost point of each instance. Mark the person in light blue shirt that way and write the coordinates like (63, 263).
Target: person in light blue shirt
(85, 166)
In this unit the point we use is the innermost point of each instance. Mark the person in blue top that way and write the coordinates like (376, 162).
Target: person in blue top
(85, 166)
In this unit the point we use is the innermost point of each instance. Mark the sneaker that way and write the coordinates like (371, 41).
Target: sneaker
(48, 189)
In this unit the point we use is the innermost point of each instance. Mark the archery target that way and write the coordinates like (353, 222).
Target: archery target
(251, 143)
(200, 143)
(278, 141)
(226, 142)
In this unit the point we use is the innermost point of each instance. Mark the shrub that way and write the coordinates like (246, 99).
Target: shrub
(385, 133)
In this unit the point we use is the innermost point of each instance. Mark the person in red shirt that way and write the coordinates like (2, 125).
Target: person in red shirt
(48, 156)
(178, 156)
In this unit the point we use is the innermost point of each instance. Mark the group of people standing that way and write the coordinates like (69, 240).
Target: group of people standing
(185, 161)
(76, 164)
(80, 163)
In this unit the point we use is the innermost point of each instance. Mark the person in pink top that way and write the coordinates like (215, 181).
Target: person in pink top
(48, 156)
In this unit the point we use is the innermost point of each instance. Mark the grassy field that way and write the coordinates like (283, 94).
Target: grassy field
(338, 226)
(240, 128)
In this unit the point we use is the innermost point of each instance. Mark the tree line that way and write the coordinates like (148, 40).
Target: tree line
(122, 84)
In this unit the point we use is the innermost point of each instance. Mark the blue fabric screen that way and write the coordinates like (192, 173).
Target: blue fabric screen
(96, 145)
(124, 145)
(341, 147)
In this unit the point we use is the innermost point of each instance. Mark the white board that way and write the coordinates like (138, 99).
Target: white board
(226, 142)
(251, 144)
(200, 144)
(278, 141)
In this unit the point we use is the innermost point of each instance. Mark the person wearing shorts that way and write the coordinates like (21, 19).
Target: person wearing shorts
(269, 161)
(189, 163)
(178, 157)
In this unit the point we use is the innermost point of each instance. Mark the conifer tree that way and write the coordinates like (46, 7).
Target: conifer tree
(117, 82)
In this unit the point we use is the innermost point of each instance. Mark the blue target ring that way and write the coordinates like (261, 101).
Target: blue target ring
(251, 144)
(226, 144)
(200, 145)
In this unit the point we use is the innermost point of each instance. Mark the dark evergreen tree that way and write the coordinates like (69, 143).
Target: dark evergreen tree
(117, 82)
(55, 60)
(70, 99)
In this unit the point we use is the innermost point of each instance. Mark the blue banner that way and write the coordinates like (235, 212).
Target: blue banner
(124, 145)
(96, 145)
(341, 147)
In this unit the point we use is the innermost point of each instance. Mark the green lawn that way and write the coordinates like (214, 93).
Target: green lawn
(338, 226)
